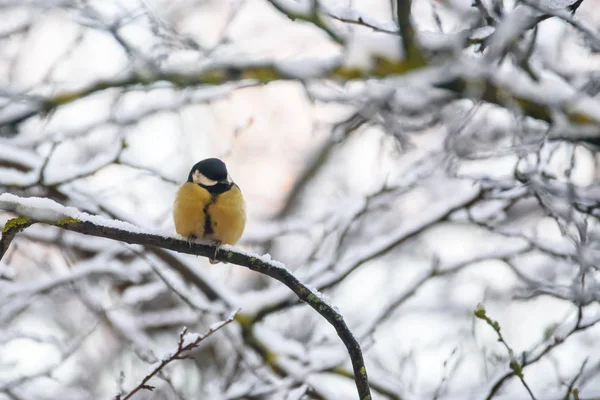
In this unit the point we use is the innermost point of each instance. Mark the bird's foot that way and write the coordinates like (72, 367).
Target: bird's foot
(190, 240)
(213, 260)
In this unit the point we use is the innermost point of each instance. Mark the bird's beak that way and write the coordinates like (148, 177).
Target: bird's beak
(227, 181)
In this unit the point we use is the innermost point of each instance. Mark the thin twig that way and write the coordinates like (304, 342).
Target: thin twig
(179, 354)
(515, 366)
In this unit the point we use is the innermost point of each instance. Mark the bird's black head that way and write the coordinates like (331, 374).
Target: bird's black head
(212, 175)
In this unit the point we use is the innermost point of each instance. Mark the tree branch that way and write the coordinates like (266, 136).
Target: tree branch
(497, 87)
(412, 53)
(312, 16)
(39, 210)
(184, 345)
(10, 230)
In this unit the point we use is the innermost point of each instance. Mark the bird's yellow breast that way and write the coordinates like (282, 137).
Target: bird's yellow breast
(221, 217)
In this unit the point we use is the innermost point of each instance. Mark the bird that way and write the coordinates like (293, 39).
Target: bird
(210, 206)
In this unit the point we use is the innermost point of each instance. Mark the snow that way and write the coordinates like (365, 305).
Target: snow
(362, 47)
(298, 393)
(18, 178)
(228, 296)
(18, 155)
(436, 41)
(214, 326)
(265, 258)
(322, 297)
(299, 7)
(16, 111)
(64, 173)
(7, 272)
(306, 68)
(463, 193)
(556, 4)
(190, 338)
(352, 14)
(47, 210)
(93, 267)
(48, 234)
(139, 293)
(151, 369)
(509, 29)
(281, 345)
(264, 230)
(195, 338)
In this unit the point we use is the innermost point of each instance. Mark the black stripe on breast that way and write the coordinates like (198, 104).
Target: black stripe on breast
(208, 228)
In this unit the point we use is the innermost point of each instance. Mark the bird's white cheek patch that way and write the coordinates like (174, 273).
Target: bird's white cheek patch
(199, 178)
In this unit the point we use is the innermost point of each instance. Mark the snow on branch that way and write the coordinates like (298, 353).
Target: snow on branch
(187, 342)
(41, 210)
(547, 99)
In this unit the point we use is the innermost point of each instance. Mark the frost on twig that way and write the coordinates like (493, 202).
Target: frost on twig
(187, 342)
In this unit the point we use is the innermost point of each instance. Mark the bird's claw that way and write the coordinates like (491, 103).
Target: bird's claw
(190, 240)
(213, 260)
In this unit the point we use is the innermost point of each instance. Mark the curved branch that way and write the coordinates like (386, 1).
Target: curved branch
(39, 210)
(10, 230)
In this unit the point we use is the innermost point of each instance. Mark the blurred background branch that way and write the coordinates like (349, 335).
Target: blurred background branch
(410, 159)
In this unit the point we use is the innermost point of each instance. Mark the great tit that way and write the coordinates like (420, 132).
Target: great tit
(209, 205)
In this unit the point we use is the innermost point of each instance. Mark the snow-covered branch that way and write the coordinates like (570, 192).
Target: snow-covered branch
(187, 342)
(40, 210)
